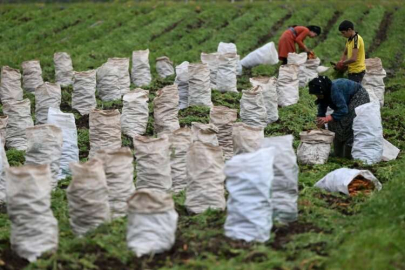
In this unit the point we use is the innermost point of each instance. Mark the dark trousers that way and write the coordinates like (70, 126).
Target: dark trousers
(356, 77)
(342, 149)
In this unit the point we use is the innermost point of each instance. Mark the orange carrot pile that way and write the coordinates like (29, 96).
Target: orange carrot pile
(360, 185)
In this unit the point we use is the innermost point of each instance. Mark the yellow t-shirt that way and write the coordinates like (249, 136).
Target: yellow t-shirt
(356, 42)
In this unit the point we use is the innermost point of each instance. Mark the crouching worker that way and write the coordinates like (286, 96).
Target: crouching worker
(342, 96)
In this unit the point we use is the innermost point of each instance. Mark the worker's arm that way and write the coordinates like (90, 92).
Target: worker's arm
(351, 59)
(344, 55)
(300, 38)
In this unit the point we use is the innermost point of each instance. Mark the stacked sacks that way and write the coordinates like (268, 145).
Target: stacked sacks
(84, 91)
(225, 48)
(10, 87)
(373, 80)
(140, 68)
(34, 229)
(211, 59)
(135, 112)
(3, 167)
(269, 86)
(182, 84)
(199, 85)
(308, 71)
(153, 163)
(87, 196)
(3, 127)
(205, 185)
(105, 130)
(297, 59)
(63, 69)
(124, 79)
(152, 222)
(223, 118)
(246, 139)
(252, 109)
(166, 109)
(265, 55)
(226, 73)
(287, 85)
(164, 67)
(47, 95)
(32, 75)
(315, 146)
(113, 79)
(206, 133)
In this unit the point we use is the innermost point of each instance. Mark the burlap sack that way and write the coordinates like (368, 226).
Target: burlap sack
(211, 59)
(373, 80)
(34, 229)
(70, 150)
(63, 69)
(119, 172)
(3, 167)
(3, 126)
(105, 130)
(252, 109)
(10, 87)
(269, 86)
(287, 85)
(153, 163)
(206, 133)
(19, 118)
(32, 75)
(113, 79)
(135, 112)
(315, 146)
(46, 95)
(84, 91)
(182, 84)
(224, 118)
(205, 185)
(226, 73)
(140, 68)
(45, 147)
(87, 196)
(246, 139)
(164, 67)
(308, 71)
(152, 222)
(166, 109)
(199, 85)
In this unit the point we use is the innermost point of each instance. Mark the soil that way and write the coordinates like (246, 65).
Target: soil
(337, 203)
(166, 30)
(83, 122)
(327, 28)
(10, 260)
(3, 208)
(381, 35)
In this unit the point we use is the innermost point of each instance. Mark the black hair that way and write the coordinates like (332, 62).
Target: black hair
(314, 28)
(346, 25)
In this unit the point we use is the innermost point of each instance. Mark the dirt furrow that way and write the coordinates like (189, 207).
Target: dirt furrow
(381, 35)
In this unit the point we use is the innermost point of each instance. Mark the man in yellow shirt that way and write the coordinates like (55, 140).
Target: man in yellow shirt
(354, 55)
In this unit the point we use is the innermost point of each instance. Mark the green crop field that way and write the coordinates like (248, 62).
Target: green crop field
(333, 231)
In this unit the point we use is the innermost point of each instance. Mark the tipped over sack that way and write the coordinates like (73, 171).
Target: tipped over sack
(70, 150)
(339, 180)
(32, 75)
(84, 91)
(205, 185)
(166, 109)
(315, 146)
(269, 87)
(252, 109)
(248, 181)
(206, 133)
(211, 59)
(105, 130)
(368, 134)
(265, 55)
(135, 112)
(182, 84)
(287, 85)
(87, 196)
(153, 163)
(226, 72)
(373, 80)
(113, 79)
(390, 151)
(140, 73)
(285, 184)
(63, 69)
(164, 67)
(225, 48)
(10, 87)
(46, 95)
(152, 222)
(3, 167)
(199, 85)
(246, 139)
(34, 229)
(3, 127)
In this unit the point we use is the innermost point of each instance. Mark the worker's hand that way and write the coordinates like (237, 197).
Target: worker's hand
(311, 55)
(321, 121)
(340, 65)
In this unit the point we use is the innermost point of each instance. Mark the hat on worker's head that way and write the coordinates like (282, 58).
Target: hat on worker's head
(315, 29)
(320, 86)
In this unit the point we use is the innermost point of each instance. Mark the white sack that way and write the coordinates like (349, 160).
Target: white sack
(246, 139)
(390, 151)
(63, 69)
(107, 83)
(224, 48)
(140, 73)
(269, 86)
(124, 80)
(265, 55)
(211, 59)
(252, 109)
(315, 146)
(322, 69)
(164, 67)
(32, 75)
(182, 84)
(226, 73)
(46, 95)
(297, 58)
(287, 85)
(166, 110)
(308, 71)
(206, 133)
(84, 91)
(3, 167)
(373, 80)
(3, 128)
(135, 112)
(10, 87)
(199, 85)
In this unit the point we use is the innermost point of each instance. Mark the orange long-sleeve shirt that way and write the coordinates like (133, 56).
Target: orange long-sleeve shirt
(287, 41)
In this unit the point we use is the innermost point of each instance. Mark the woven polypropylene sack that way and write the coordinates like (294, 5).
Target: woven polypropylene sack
(105, 130)
(297, 58)
(124, 79)
(3, 167)
(226, 73)
(34, 229)
(44, 146)
(246, 139)
(164, 67)
(224, 118)
(32, 75)
(87, 196)
(140, 73)
(205, 185)
(390, 151)
(119, 172)
(84, 91)
(315, 146)
(166, 109)
(252, 109)
(206, 133)
(199, 85)
(135, 112)
(153, 163)
(308, 71)
(248, 181)
(47, 95)
(19, 118)
(211, 59)
(70, 149)
(288, 85)
(3, 128)
(368, 140)
(373, 80)
(285, 184)
(108, 86)
(265, 55)
(152, 222)
(63, 69)
(224, 48)
(269, 86)
(10, 87)
(182, 84)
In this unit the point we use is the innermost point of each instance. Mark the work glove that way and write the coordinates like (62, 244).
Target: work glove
(321, 121)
